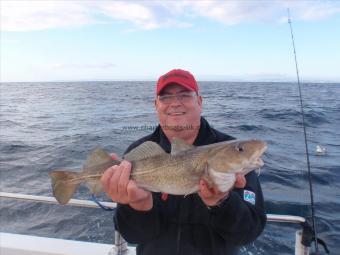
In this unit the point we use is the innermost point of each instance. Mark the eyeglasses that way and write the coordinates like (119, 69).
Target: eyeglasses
(183, 97)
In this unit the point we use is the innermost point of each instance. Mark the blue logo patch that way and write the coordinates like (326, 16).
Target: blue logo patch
(249, 196)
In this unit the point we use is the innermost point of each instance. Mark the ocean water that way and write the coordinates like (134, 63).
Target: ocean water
(47, 126)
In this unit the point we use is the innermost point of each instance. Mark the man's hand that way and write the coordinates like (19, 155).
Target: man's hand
(212, 196)
(118, 186)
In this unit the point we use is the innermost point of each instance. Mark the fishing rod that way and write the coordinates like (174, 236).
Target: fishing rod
(305, 136)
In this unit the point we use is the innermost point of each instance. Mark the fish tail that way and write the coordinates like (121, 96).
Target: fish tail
(63, 185)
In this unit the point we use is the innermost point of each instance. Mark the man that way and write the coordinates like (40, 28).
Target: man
(209, 222)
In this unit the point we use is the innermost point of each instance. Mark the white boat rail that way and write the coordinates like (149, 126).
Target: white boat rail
(52, 200)
(120, 246)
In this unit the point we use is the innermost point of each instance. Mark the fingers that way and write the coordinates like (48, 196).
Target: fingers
(140, 199)
(115, 181)
(105, 179)
(135, 193)
(114, 156)
(124, 178)
(204, 189)
(210, 196)
(240, 181)
(117, 184)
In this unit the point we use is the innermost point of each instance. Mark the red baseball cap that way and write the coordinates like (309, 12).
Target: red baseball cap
(179, 76)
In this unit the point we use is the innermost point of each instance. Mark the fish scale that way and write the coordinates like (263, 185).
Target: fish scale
(181, 169)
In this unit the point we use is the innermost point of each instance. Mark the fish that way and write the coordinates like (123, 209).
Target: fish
(176, 173)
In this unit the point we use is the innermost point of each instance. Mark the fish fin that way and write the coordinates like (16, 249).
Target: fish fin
(95, 187)
(178, 145)
(145, 150)
(224, 181)
(97, 157)
(63, 185)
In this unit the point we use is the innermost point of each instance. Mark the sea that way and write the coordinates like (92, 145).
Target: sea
(55, 125)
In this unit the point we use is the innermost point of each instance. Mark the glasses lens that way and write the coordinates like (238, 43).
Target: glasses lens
(166, 99)
(183, 97)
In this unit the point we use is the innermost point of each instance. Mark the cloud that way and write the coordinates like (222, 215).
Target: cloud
(30, 15)
(39, 15)
(235, 12)
(139, 15)
(318, 10)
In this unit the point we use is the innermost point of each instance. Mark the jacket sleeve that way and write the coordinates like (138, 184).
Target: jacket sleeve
(241, 218)
(137, 226)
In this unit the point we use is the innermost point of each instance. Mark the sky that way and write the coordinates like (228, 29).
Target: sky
(245, 40)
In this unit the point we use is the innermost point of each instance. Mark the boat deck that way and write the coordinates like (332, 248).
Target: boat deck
(15, 244)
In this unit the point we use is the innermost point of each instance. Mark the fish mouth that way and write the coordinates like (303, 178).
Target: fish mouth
(258, 162)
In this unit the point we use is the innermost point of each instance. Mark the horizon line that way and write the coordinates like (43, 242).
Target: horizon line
(198, 80)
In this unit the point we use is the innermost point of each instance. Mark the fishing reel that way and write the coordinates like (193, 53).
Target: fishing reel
(308, 237)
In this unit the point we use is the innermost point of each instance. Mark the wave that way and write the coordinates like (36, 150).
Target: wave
(279, 115)
(256, 128)
(314, 118)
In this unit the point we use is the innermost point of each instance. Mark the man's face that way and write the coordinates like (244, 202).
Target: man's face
(178, 114)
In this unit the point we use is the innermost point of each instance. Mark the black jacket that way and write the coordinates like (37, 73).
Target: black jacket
(184, 225)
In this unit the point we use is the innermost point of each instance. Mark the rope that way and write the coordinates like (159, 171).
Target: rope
(106, 208)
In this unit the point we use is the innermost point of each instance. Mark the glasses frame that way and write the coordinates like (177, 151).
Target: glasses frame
(183, 97)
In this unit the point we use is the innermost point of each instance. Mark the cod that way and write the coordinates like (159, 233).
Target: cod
(176, 173)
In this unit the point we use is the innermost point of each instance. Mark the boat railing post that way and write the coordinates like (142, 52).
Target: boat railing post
(300, 249)
(120, 245)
